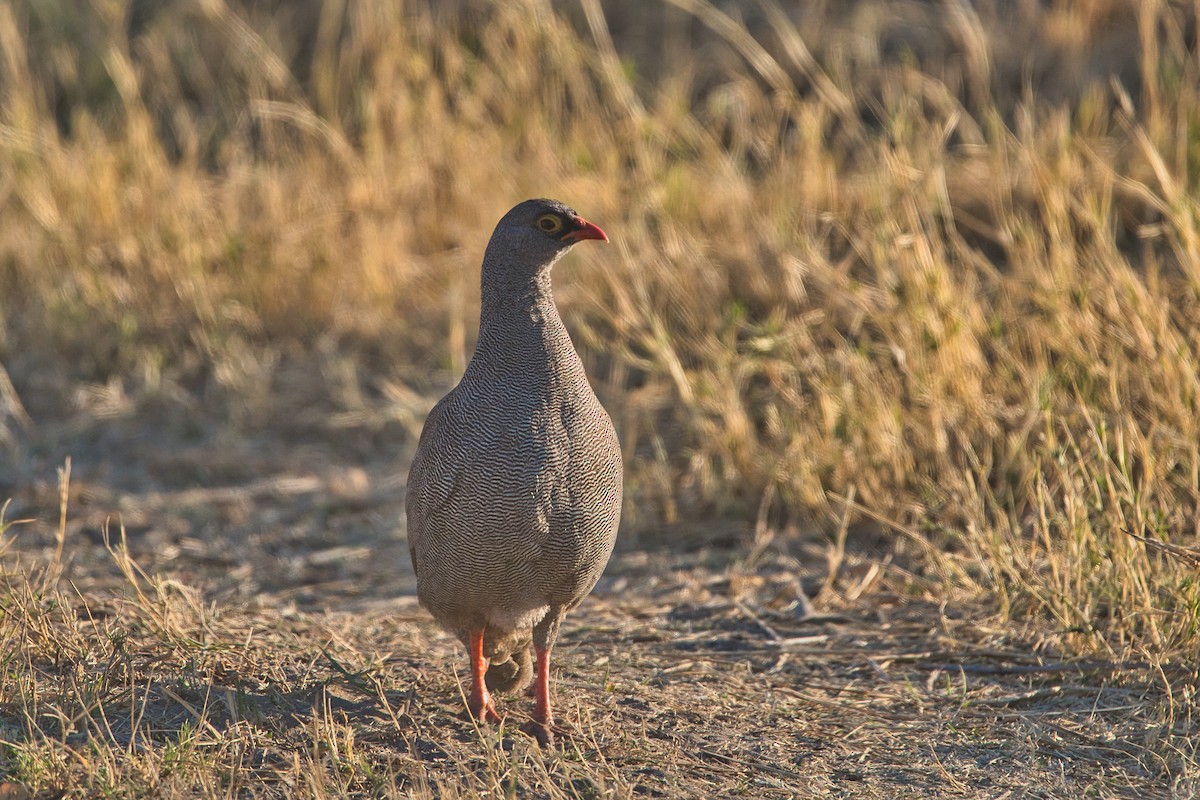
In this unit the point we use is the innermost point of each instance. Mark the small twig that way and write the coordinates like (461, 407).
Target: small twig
(1189, 555)
(201, 719)
(1024, 697)
(751, 765)
(801, 641)
(5, 524)
(1114, 745)
(837, 555)
(354, 678)
(935, 555)
(750, 615)
(54, 570)
(1022, 669)
(843, 708)
(10, 401)
(947, 655)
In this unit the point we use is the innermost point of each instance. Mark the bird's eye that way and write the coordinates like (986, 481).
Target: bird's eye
(549, 223)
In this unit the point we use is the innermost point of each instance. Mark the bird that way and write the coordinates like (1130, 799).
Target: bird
(514, 493)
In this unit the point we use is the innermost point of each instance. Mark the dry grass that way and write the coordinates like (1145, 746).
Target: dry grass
(686, 676)
(904, 291)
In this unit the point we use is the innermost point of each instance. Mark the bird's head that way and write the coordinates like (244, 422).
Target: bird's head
(535, 233)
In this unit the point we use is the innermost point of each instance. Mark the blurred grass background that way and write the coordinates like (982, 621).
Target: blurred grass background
(930, 265)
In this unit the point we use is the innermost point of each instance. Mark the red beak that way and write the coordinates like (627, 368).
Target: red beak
(584, 230)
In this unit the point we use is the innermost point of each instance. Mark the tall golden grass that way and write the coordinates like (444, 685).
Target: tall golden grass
(943, 278)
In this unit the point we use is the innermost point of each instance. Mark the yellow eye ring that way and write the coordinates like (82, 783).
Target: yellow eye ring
(549, 223)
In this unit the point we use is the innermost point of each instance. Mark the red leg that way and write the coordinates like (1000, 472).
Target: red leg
(479, 701)
(541, 727)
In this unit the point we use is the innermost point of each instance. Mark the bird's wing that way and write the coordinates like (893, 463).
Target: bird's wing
(434, 474)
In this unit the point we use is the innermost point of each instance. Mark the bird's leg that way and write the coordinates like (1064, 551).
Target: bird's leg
(479, 701)
(541, 726)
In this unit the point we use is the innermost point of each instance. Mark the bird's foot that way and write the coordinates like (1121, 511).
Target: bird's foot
(545, 732)
(482, 708)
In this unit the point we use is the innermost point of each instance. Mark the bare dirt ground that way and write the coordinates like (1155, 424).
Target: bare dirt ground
(257, 635)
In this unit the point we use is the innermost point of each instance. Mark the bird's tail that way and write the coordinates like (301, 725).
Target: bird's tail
(513, 674)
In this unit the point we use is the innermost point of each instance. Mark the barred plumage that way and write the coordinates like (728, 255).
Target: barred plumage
(515, 493)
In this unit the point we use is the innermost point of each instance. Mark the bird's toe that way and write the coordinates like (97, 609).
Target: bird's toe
(546, 733)
(543, 733)
(482, 709)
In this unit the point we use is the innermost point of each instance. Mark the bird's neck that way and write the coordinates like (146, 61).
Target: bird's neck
(520, 329)
(511, 285)
(504, 296)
